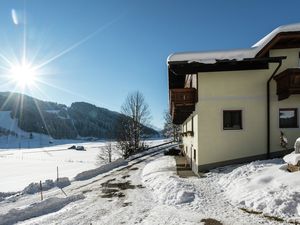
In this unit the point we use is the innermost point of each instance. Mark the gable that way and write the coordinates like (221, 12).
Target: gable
(283, 40)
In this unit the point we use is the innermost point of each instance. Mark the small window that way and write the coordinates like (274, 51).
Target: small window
(232, 120)
(194, 154)
(288, 118)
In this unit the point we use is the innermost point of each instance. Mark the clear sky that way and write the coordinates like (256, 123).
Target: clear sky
(99, 51)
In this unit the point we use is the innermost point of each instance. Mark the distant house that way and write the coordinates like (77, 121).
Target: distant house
(233, 105)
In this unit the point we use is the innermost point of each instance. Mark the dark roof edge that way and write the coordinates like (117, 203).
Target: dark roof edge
(265, 59)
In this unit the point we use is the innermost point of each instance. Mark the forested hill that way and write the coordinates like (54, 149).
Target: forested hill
(81, 119)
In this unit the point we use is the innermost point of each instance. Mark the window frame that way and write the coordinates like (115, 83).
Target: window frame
(296, 114)
(241, 119)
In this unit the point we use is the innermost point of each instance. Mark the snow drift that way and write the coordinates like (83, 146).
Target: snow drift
(38, 209)
(85, 175)
(33, 188)
(292, 158)
(264, 186)
(160, 177)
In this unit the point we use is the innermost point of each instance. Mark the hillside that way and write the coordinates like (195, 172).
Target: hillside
(59, 121)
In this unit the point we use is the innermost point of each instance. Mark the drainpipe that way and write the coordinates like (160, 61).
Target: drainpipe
(268, 108)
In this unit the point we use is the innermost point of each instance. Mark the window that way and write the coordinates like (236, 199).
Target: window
(232, 120)
(194, 154)
(288, 118)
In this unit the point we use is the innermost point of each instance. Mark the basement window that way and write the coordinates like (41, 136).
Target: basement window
(232, 120)
(288, 118)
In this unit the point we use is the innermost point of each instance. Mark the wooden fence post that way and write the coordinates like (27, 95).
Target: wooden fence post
(57, 174)
(41, 188)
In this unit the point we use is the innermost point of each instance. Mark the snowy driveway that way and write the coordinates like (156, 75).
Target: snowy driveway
(120, 197)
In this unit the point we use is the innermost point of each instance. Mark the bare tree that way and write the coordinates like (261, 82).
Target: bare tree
(171, 130)
(131, 126)
(105, 154)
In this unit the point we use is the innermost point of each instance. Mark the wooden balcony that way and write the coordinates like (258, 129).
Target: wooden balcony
(182, 103)
(288, 83)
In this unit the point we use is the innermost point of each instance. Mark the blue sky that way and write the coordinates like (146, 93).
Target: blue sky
(107, 49)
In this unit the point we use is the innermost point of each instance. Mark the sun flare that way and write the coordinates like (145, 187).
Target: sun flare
(23, 74)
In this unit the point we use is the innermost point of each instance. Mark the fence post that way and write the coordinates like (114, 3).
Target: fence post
(41, 188)
(57, 174)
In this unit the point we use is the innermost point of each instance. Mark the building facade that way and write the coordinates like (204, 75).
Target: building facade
(234, 105)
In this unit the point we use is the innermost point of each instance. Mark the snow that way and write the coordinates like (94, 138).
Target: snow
(19, 168)
(63, 182)
(19, 139)
(160, 176)
(280, 29)
(212, 56)
(237, 54)
(37, 209)
(33, 188)
(297, 146)
(135, 200)
(85, 175)
(266, 187)
(292, 158)
(10, 124)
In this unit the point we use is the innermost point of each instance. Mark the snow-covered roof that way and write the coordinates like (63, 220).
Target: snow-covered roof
(285, 28)
(237, 54)
(213, 56)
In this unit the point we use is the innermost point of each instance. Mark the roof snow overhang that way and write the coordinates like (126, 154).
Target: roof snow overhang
(178, 69)
(282, 40)
(287, 36)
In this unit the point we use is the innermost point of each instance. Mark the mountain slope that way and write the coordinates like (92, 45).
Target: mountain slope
(59, 121)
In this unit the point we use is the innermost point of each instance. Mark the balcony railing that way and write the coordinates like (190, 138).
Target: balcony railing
(183, 96)
(182, 103)
(288, 83)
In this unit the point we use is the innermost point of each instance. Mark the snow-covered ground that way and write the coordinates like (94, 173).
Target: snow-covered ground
(264, 187)
(142, 191)
(18, 168)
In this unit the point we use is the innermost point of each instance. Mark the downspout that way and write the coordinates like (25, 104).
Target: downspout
(268, 108)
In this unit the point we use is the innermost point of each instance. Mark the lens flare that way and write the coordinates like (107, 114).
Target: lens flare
(14, 17)
(23, 74)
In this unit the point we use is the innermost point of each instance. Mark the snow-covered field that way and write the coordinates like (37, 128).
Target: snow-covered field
(18, 168)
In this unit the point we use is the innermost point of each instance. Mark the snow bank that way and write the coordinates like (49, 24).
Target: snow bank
(33, 188)
(63, 182)
(264, 186)
(4, 195)
(160, 177)
(102, 169)
(37, 209)
(292, 158)
(113, 165)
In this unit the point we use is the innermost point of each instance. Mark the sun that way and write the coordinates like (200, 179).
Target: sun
(23, 75)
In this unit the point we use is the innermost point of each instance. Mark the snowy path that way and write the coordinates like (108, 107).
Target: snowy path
(119, 197)
(215, 205)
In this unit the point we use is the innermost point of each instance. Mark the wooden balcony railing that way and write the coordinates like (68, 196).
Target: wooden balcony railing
(288, 83)
(182, 103)
(183, 96)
